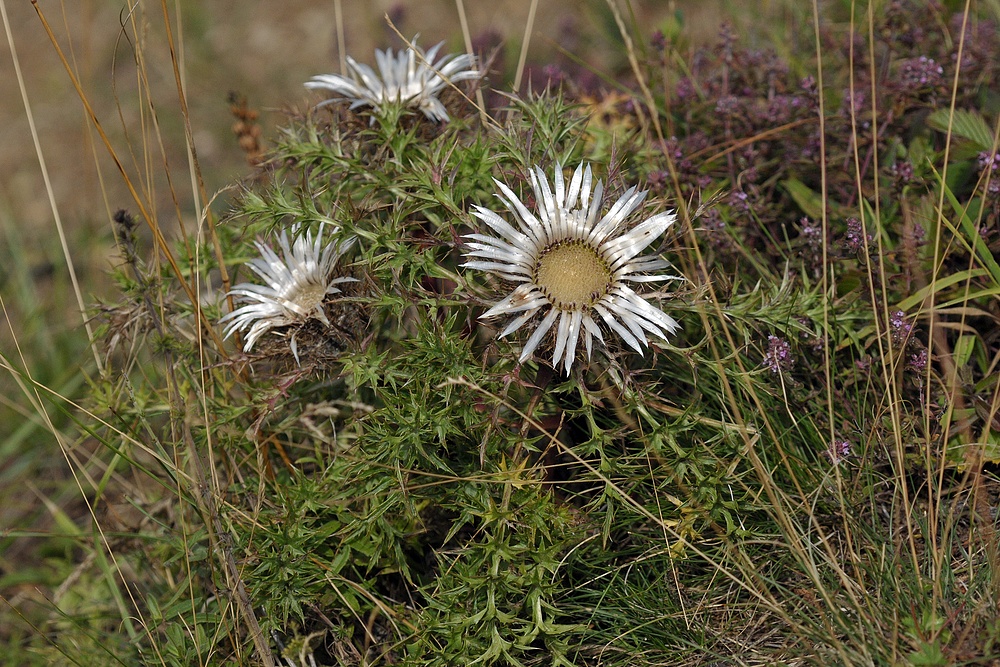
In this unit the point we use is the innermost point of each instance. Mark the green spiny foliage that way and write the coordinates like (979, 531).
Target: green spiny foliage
(456, 508)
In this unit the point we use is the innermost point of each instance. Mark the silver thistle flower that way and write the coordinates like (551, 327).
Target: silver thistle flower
(297, 283)
(574, 264)
(412, 78)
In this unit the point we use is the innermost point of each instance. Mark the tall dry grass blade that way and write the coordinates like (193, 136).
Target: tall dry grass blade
(824, 221)
(467, 36)
(48, 188)
(779, 501)
(529, 28)
(144, 211)
(636, 70)
(338, 15)
(936, 337)
(218, 532)
(148, 116)
(200, 195)
(877, 292)
(983, 512)
(799, 544)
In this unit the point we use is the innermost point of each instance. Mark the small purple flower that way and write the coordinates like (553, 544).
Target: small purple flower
(554, 75)
(811, 148)
(738, 200)
(899, 328)
(807, 337)
(713, 223)
(685, 90)
(902, 172)
(658, 179)
(812, 233)
(697, 141)
(779, 109)
(838, 451)
(672, 147)
(779, 355)
(855, 105)
(658, 41)
(856, 238)
(728, 105)
(727, 38)
(918, 361)
(989, 160)
(920, 73)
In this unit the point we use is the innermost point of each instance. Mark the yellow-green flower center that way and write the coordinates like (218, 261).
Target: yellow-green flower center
(308, 297)
(572, 274)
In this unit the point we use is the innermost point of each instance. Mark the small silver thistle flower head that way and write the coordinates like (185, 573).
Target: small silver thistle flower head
(295, 286)
(412, 78)
(573, 264)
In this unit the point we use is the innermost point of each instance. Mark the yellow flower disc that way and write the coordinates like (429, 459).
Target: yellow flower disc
(572, 274)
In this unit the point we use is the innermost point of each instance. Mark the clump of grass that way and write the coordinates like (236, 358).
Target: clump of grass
(804, 473)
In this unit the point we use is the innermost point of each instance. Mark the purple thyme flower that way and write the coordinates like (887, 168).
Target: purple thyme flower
(902, 172)
(685, 90)
(918, 361)
(899, 327)
(812, 233)
(780, 108)
(713, 223)
(922, 72)
(728, 105)
(838, 450)
(855, 105)
(988, 160)
(738, 200)
(856, 238)
(554, 75)
(673, 148)
(779, 355)
(658, 41)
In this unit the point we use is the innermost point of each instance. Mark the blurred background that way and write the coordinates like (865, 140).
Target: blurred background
(261, 50)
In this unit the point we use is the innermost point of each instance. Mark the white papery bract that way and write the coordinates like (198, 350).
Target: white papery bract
(296, 285)
(411, 77)
(573, 264)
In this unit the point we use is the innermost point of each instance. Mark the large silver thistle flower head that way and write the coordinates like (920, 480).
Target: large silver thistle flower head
(412, 78)
(573, 264)
(295, 286)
